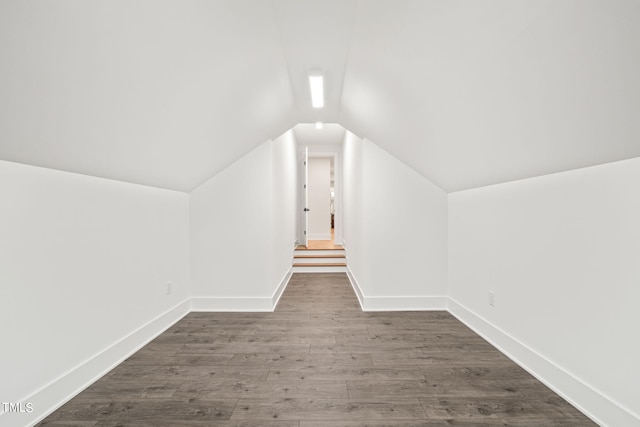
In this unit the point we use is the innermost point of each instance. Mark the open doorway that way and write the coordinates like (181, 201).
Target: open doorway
(320, 202)
(322, 251)
(319, 154)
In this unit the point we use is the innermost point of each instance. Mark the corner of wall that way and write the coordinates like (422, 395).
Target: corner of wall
(600, 408)
(69, 384)
(280, 289)
(395, 303)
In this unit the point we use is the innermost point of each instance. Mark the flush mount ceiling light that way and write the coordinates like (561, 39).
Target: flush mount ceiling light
(316, 83)
(318, 125)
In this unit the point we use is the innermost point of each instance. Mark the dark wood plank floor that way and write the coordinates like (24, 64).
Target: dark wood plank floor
(318, 361)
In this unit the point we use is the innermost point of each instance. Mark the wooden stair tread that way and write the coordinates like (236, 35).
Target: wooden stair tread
(325, 264)
(320, 256)
(304, 248)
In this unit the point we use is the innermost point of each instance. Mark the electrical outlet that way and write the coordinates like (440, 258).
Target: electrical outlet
(169, 288)
(492, 298)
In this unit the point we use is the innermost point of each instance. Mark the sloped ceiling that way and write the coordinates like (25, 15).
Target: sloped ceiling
(471, 93)
(467, 92)
(157, 92)
(316, 35)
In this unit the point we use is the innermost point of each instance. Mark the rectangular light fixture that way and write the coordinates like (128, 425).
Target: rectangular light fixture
(316, 83)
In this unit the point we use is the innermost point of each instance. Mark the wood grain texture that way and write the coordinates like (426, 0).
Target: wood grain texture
(318, 361)
(319, 245)
(319, 256)
(319, 264)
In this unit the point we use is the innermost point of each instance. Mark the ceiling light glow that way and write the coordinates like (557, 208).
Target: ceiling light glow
(316, 83)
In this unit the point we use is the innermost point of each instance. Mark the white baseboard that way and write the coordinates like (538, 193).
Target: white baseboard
(281, 287)
(241, 304)
(69, 384)
(232, 304)
(405, 303)
(601, 409)
(355, 286)
(396, 303)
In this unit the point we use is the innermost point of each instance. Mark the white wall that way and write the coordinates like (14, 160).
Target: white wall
(243, 229)
(352, 202)
(231, 222)
(405, 221)
(319, 193)
(84, 265)
(395, 230)
(285, 204)
(86, 261)
(561, 253)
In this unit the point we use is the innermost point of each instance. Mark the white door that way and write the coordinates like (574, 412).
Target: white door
(319, 184)
(306, 197)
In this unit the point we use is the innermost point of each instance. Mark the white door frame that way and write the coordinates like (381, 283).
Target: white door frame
(337, 178)
(305, 201)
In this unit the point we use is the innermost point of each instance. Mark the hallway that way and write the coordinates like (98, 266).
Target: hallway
(318, 360)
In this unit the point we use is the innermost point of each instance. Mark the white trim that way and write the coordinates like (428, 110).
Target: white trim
(281, 287)
(355, 286)
(86, 373)
(334, 152)
(406, 303)
(233, 304)
(69, 384)
(242, 304)
(601, 409)
(319, 236)
(396, 303)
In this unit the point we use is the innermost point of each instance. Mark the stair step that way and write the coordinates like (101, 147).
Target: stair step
(319, 256)
(319, 260)
(322, 264)
(335, 248)
(318, 268)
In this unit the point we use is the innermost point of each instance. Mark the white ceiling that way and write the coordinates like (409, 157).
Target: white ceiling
(316, 35)
(477, 92)
(466, 92)
(330, 134)
(157, 92)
